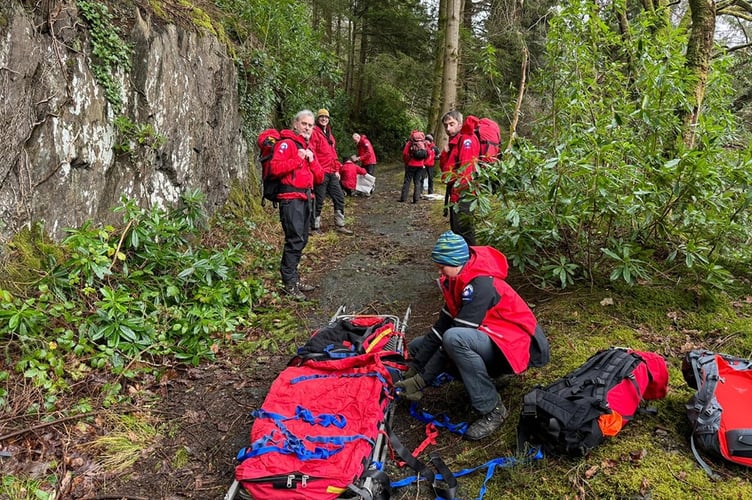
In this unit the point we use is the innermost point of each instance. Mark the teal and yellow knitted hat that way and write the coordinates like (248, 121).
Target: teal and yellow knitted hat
(450, 250)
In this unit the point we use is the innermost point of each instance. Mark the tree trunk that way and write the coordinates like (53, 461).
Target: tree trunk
(451, 56)
(434, 122)
(699, 50)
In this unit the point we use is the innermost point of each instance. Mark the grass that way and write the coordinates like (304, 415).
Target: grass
(651, 457)
(129, 437)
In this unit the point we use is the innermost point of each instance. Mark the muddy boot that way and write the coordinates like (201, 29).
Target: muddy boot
(487, 424)
(339, 222)
(293, 291)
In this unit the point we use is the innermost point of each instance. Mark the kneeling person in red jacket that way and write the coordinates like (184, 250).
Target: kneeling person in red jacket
(348, 176)
(484, 330)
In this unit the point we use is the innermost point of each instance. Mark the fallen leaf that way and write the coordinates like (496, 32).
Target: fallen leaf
(608, 301)
(591, 471)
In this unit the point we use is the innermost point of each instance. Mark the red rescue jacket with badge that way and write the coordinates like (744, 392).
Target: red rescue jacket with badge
(324, 146)
(297, 176)
(510, 323)
(458, 162)
(365, 152)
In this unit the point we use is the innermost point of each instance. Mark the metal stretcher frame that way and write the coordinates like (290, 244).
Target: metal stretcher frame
(369, 489)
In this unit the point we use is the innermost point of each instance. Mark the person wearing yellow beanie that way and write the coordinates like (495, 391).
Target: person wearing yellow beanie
(324, 147)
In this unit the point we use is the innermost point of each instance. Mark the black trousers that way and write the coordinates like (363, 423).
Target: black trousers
(461, 221)
(429, 175)
(331, 187)
(295, 216)
(413, 175)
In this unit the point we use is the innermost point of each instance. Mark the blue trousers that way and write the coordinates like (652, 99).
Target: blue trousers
(471, 355)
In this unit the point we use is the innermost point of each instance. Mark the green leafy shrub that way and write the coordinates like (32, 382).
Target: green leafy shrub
(605, 192)
(112, 296)
(110, 52)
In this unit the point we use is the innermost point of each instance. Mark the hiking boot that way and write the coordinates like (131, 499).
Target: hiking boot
(343, 230)
(339, 219)
(305, 287)
(316, 223)
(487, 424)
(294, 292)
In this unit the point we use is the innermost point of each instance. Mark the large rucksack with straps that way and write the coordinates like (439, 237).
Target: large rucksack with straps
(418, 145)
(575, 413)
(720, 409)
(271, 186)
(488, 133)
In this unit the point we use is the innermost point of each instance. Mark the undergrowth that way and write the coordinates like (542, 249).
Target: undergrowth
(651, 457)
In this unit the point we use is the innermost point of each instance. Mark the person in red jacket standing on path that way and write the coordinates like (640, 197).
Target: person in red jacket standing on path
(295, 165)
(324, 146)
(458, 162)
(414, 155)
(366, 155)
(430, 162)
(484, 330)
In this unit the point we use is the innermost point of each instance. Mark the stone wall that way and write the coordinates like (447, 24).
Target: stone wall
(58, 164)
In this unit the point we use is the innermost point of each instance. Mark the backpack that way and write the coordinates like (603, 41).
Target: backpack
(266, 142)
(270, 185)
(575, 413)
(719, 410)
(418, 146)
(488, 133)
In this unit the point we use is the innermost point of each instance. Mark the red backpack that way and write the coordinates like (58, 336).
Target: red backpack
(719, 410)
(489, 135)
(266, 142)
(418, 146)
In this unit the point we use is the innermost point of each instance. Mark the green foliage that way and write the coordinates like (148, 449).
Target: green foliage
(25, 489)
(605, 193)
(110, 52)
(389, 116)
(149, 289)
(131, 134)
(282, 66)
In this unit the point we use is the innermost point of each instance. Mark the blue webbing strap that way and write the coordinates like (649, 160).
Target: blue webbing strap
(305, 378)
(441, 420)
(293, 445)
(491, 465)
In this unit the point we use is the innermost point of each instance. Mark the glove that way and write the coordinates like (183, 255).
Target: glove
(411, 388)
(411, 372)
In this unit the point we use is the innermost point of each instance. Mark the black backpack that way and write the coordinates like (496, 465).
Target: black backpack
(565, 417)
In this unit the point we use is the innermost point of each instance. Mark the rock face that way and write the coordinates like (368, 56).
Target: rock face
(63, 159)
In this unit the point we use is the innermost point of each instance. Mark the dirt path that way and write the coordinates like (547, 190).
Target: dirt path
(384, 268)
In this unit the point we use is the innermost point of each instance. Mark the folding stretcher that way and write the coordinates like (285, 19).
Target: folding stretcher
(321, 432)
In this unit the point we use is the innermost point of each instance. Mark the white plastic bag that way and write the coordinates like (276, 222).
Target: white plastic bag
(365, 184)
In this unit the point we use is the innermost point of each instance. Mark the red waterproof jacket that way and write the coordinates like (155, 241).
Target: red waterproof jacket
(510, 323)
(324, 147)
(459, 161)
(293, 171)
(365, 152)
(431, 160)
(349, 174)
(409, 161)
